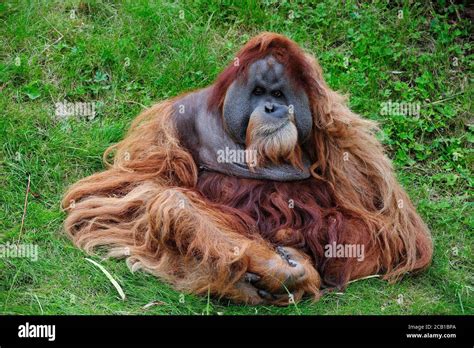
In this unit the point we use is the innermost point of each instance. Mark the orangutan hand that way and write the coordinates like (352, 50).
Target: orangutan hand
(280, 278)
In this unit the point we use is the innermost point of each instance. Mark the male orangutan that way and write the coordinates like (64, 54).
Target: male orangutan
(255, 230)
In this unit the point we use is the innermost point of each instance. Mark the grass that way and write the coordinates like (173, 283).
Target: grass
(127, 55)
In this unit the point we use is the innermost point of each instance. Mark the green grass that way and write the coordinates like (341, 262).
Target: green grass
(366, 51)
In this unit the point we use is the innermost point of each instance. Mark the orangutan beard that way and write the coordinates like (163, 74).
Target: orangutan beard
(275, 142)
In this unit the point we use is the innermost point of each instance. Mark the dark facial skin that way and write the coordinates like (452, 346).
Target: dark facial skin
(267, 84)
(267, 91)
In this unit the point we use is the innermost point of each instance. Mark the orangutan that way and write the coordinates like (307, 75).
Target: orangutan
(241, 189)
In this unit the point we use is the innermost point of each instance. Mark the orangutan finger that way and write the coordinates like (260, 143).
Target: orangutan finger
(286, 256)
(278, 299)
(251, 278)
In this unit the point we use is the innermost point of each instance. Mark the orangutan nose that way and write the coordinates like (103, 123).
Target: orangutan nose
(276, 110)
(268, 107)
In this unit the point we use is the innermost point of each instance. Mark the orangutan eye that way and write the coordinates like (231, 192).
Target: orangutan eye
(277, 94)
(258, 91)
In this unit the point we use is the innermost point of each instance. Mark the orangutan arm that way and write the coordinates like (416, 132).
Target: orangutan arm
(211, 252)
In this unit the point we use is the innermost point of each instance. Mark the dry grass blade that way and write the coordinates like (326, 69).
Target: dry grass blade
(24, 207)
(112, 280)
(153, 303)
(368, 277)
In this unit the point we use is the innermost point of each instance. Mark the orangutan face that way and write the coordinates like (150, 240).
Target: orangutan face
(264, 112)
